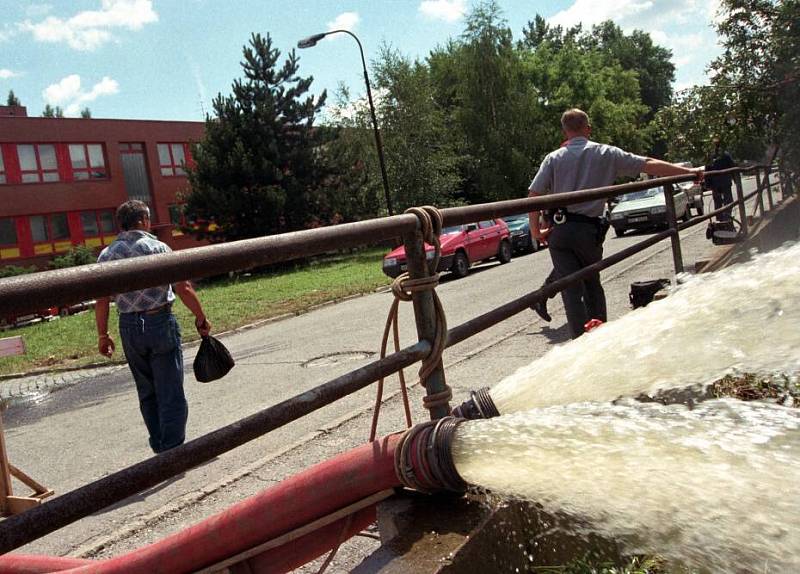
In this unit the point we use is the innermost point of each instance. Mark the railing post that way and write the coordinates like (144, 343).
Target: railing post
(768, 187)
(760, 193)
(425, 314)
(737, 178)
(672, 221)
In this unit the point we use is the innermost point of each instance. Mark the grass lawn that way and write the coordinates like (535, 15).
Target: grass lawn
(72, 341)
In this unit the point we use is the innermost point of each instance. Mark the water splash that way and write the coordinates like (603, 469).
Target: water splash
(746, 317)
(715, 488)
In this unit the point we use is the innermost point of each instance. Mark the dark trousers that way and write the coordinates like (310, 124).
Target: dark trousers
(152, 345)
(573, 246)
(722, 196)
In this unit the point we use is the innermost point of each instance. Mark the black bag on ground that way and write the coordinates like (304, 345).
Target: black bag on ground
(213, 361)
(642, 292)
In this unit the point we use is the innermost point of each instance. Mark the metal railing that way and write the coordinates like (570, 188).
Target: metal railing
(28, 292)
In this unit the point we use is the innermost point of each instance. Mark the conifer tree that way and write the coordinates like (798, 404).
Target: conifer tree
(52, 112)
(257, 172)
(12, 99)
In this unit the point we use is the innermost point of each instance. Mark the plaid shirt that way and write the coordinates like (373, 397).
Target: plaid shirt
(134, 244)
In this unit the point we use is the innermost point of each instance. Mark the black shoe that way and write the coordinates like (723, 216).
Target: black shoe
(541, 309)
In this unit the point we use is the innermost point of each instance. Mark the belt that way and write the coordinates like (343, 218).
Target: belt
(563, 216)
(155, 311)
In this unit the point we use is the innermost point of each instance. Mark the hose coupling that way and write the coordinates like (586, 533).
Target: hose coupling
(479, 406)
(424, 459)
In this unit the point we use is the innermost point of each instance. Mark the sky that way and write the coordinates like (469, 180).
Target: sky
(168, 59)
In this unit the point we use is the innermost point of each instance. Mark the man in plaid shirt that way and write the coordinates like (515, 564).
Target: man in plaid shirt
(150, 335)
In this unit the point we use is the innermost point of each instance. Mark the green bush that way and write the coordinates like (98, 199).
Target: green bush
(77, 255)
(12, 270)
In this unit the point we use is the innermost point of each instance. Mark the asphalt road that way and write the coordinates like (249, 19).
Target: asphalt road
(82, 432)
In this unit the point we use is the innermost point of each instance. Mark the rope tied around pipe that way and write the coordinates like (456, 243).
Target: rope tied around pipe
(403, 288)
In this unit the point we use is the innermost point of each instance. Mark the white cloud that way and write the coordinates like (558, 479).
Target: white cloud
(90, 29)
(69, 94)
(447, 10)
(5, 74)
(345, 21)
(683, 26)
(591, 12)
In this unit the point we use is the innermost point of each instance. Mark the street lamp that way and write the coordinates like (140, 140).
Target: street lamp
(310, 42)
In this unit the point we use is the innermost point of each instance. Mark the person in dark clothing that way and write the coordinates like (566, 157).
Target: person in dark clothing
(720, 185)
(576, 237)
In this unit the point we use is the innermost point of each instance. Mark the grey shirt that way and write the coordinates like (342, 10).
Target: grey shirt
(584, 164)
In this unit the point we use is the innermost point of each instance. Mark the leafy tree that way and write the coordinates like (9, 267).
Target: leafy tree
(51, 112)
(494, 112)
(421, 161)
(12, 99)
(257, 171)
(759, 69)
(638, 53)
(86, 113)
(572, 76)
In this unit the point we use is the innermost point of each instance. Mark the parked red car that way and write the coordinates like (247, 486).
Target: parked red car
(462, 246)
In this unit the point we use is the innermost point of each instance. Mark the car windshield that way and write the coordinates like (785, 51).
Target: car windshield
(452, 229)
(645, 193)
(521, 218)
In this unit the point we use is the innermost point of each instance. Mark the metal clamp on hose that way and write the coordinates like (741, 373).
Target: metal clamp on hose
(479, 406)
(424, 459)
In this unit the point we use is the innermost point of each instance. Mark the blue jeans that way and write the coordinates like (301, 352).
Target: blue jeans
(152, 345)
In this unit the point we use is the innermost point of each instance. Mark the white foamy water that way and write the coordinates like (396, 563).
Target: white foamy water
(715, 488)
(744, 318)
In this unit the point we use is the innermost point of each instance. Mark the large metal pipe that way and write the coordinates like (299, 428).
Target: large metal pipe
(18, 530)
(27, 293)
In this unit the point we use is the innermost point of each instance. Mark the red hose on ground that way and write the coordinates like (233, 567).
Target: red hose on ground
(30, 564)
(303, 550)
(298, 500)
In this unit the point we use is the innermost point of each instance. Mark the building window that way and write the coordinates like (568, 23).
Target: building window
(8, 232)
(2, 168)
(37, 163)
(172, 158)
(95, 223)
(88, 161)
(107, 224)
(49, 227)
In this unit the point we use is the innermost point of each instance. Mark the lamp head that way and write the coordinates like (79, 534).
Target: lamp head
(311, 41)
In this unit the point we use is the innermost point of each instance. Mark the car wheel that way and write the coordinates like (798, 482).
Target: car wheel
(460, 266)
(619, 232)
(504, 253)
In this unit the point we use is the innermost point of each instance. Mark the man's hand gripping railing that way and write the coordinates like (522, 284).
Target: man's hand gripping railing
(403, 287)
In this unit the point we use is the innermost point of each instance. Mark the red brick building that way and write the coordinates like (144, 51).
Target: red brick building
(62, 178)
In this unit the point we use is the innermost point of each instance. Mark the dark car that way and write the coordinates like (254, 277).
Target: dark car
(462, 246)
(520, 229)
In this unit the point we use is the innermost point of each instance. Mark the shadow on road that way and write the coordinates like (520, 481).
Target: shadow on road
(554, 336)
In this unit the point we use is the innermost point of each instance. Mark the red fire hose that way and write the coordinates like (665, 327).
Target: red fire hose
(297, 501)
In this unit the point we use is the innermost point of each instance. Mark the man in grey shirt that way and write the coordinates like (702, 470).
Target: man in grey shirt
(577, 241)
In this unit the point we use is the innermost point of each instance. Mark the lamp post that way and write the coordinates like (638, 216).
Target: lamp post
(312, 41)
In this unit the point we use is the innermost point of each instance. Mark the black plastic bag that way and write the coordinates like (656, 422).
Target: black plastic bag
(643, 292)
(213, 361)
